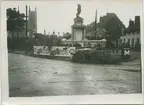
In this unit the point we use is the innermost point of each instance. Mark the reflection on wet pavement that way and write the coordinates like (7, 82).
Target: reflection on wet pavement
(29, 76)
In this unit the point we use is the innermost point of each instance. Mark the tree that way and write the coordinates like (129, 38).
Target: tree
(114, 27)
(15, 20)
(67, 36)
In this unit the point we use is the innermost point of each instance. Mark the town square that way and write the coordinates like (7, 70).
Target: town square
(60, 48)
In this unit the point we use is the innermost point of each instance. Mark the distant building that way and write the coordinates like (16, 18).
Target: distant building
(131, 34)
(134, 26)
(78, 38)
(32, 25)
(131, 39)
(100, 34)
(32, 21)
(110, 23)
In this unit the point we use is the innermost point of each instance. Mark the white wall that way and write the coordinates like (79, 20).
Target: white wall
(78, 35)
(131, 36)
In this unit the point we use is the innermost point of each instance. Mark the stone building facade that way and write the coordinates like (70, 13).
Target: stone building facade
(32, 21)
(110, 23)
(132, 36)
(131, 39)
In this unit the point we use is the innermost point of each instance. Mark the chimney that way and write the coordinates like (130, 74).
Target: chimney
(137, 19)
(101, 20)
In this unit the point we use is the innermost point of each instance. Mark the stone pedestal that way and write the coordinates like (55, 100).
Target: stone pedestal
(78, 29)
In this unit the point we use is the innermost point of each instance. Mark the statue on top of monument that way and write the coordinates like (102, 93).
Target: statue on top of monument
(78, 10)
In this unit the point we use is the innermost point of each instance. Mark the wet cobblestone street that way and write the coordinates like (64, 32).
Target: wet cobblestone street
(29, 76)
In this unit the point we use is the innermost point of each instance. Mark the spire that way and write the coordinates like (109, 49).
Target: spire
(44, 32)
(26, 23)
(96, 20)
(18, 8)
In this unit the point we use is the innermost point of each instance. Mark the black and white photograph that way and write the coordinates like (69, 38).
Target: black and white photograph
(65, 48)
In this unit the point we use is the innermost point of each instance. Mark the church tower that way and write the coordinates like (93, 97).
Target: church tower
(32, 21)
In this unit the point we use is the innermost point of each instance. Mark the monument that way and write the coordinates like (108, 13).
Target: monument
(78, 33)
(78, 29)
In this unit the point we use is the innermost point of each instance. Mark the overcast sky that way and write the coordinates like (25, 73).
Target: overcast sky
(59, 15)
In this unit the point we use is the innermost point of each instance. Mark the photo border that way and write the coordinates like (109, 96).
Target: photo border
(78, 99)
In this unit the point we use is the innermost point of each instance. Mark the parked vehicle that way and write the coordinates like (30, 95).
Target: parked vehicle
(83, 54)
